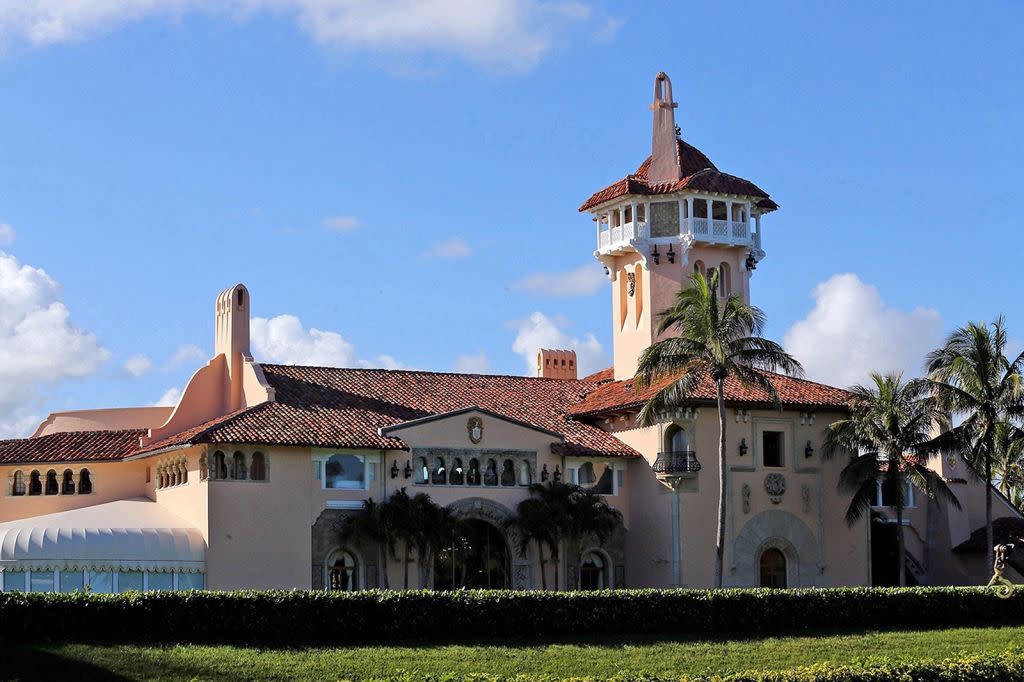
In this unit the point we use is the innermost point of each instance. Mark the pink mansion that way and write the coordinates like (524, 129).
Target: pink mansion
(246, 481)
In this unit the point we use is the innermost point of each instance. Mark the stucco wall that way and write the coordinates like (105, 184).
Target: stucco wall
(110, 481)
(673, 541)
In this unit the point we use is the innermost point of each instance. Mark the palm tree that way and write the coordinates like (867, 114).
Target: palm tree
(890, 432)
(589, 515)
(373, 524)
(431, 529)
(716, 339)
(972, 378)
(533, 521)
(556, 498)
(1008, 468)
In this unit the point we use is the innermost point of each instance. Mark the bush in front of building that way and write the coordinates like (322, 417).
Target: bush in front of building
(305, 617)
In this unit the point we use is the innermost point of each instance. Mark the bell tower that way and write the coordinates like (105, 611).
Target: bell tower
(675, 214)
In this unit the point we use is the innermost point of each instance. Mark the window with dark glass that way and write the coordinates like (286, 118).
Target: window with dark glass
(258, 470)
(592, 572)
(491, 473)
(773, 568)
(473, 475)
(508, 473)
(238, 471)
(220, 466)
(52, 487)
(344, 471)
(439, 474)
(458, 475)
(771, 448)
(68, 483)
(35, 484)
(84, 482)
(18, 486)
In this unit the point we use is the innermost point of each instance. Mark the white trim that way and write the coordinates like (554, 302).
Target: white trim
(343, 504)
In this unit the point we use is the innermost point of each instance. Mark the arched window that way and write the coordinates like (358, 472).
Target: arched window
(238, 466)
(458, 475)
(491, 473)
(84, 482)
(508, 473)
(724, 280)
(68, 483)
(473, 475)
(593, 572)
(204, 467)
(675, 439)
(220, 466)
(35, 484)
(439, 474)
(423, 471)
(342, 573)
(773, 568)
(52, 487)
(18, 485)
(698, 266)
(258, 470)
(525, 475)
(586, 476)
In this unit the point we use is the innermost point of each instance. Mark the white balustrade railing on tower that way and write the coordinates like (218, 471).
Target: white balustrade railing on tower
(623, 235)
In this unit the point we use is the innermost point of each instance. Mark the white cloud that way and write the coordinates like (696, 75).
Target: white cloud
(507, 34)
(540, 331)
(343, 223)
(582, 281)
(39, 347)
(169, 398)
(189, 353)
(851, 332)
(7, 234)
(284, 340)
(453, 248)
(473, 364)
(137, 365)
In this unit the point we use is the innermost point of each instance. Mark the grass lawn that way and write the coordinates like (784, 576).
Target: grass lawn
(592, 656)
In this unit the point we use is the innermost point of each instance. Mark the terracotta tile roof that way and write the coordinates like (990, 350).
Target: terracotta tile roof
(614, 396)
(697, 173)
(340, 407)
(74, 446)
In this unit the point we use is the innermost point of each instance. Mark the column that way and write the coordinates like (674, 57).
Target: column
(728, 217)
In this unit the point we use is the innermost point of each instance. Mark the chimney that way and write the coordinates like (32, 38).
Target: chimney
(556, 364)
(231, 337)
(664, 149)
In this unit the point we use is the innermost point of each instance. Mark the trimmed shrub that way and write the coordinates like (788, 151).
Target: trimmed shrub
(308, 617)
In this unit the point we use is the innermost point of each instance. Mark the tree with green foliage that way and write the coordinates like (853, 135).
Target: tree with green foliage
(889, 437)
(716, 339)
(372, 523)
(973, 380)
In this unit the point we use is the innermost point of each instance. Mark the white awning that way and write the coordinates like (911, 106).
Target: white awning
(135, 534)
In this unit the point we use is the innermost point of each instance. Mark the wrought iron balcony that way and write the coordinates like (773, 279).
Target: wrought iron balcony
(677, 464)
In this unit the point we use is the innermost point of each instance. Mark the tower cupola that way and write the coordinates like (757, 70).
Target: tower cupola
(675, 214)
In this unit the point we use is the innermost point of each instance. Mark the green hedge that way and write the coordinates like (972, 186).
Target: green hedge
(302, 617)
(1006, 667)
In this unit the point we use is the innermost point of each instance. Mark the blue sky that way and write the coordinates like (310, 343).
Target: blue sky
(403, 178)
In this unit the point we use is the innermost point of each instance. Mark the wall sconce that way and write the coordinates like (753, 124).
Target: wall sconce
(751, 261)
(743, 447)
(671, 254)
(408, 469)
(808, 451)
(544, 473)
(558, 474)
(394, 469)
(655, 255)
(607, 272)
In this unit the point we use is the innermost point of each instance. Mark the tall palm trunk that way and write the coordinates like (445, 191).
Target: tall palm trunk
(989, 540)
(405, 566)
(720, 539)
(901, 549)
(382, 557)
(543, 572)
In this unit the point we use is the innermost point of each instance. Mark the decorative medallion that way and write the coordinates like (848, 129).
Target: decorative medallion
(475, 427)
(775, 486)
(746, 498)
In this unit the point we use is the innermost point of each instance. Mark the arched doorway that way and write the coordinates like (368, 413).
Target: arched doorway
(342, 572)
(593, 571)
(773, 568)
(478, 558)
